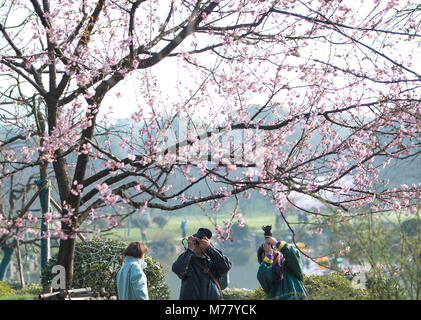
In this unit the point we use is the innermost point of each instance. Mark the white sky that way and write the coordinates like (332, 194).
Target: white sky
(168, 71)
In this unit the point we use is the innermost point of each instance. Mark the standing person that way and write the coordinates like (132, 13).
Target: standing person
(147, 217)
(183, 228)
(143, 232)
(202, 268)
(131, 280)
(281, 270)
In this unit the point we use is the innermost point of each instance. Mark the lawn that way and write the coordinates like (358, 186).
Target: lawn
(194, 221)
(20, 297)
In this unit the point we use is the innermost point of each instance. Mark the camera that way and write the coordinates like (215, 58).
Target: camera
(202, 233)
(267, 230)
(196, 242)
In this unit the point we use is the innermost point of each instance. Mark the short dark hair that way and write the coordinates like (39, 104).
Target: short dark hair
(135, 249)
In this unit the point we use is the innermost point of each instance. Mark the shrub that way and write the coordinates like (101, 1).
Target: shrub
(157, 287)
(138, 222)
(161, 221)
(332, 286)
(6, 290)
(411, 227)
(243, 294)
(240, 233)
(237, 294)
(97, 262)
(380, 287)
(30, 289)
(258, 294)
(163, 246)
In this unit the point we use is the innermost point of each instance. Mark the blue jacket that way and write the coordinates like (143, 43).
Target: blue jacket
(131, 280)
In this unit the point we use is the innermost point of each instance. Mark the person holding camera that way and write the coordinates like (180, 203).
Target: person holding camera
(281, 270)
(202, 268)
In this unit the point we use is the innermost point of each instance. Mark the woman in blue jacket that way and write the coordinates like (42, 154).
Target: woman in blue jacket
(131, 280)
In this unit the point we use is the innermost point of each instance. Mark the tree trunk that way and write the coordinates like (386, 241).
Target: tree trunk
(8, 252)
(66, 247)
(44, 197)
(65, 258)
(20, 267)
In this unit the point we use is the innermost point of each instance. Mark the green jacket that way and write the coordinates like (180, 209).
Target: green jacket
(291, 287)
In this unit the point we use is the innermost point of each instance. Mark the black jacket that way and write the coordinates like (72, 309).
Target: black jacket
(195, 283)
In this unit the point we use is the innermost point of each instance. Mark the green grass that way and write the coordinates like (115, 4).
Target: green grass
(172, 228)
(20, 297)
(30, 291)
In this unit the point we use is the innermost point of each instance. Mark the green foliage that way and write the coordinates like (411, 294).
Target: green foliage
(380, 287)
(237, 294)
(157, 287)
(163, 245)
(411, 227)
(389, 247)
(30, 290)
(97, 262)
(243, 294)
(332, 286)
(139, 221)
(6, 290)
(258, 294)
(240, 233)
(161, 221)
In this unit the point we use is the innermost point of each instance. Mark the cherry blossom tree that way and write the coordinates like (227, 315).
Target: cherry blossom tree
(282, 97)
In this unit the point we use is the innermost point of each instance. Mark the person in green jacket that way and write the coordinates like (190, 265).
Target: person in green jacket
(131, 280)
(281, 271)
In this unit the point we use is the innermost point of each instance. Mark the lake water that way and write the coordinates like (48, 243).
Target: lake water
(239, 276)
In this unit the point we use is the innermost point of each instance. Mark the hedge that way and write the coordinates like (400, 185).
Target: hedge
(97, 262)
